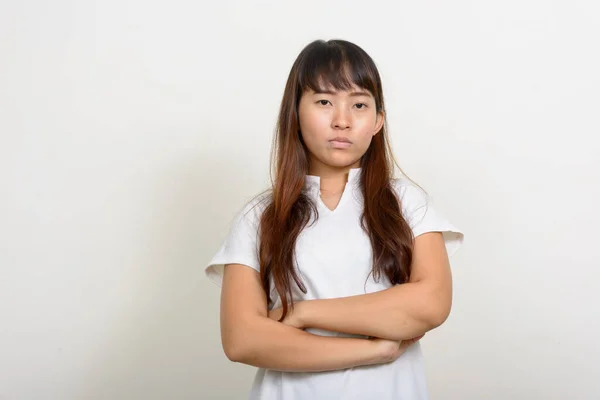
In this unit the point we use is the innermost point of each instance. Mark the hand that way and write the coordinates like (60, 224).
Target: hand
(390, 350)
(293, 318)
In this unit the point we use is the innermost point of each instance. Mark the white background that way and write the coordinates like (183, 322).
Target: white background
(132, 131)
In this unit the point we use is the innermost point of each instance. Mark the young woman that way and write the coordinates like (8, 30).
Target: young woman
(331, 277)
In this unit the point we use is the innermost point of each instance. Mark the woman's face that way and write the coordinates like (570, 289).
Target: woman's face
(338, 126)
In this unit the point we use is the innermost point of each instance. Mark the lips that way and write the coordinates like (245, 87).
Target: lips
(340, 143)
(341, 139)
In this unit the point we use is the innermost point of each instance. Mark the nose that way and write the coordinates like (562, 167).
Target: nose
(341, 119)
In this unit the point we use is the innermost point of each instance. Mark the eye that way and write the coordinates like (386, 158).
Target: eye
(363, 105)
(323, 102)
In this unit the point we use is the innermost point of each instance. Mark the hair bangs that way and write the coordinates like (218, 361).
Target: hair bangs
(329, 66)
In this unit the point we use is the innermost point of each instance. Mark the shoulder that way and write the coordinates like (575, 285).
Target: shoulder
(411, 196)
(240, 245)
(415, 203)
(420, 213)
(251, 212)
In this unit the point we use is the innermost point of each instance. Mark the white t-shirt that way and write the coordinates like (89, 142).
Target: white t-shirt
(334, 259)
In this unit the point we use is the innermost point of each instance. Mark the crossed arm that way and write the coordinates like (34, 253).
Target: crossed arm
(251, 335)
(398, 313)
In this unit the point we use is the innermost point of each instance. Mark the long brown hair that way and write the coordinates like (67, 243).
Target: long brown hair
(338, 64)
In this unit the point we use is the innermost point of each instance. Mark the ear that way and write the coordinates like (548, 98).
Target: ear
(379, 122)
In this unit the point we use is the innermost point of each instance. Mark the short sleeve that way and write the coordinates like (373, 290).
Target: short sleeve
(240, 246)
(422, 217)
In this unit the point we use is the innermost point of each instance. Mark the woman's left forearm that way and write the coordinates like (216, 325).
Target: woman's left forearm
(398, 313)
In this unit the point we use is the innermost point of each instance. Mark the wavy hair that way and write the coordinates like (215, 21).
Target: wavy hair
(339, 64)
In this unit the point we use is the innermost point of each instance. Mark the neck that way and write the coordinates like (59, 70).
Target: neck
(333, 179)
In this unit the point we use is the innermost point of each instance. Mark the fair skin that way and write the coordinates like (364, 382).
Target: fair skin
(395, 318)
(328, 114)
(403, 311)
(250, 337)
(398, 313)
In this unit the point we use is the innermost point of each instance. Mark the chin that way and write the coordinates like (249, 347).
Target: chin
(338, 159)
(339, 163)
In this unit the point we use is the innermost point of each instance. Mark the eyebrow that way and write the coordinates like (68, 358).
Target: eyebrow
(351, 94)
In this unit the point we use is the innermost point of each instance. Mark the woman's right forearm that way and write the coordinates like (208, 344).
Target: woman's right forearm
(264, 343)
